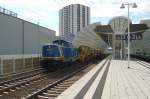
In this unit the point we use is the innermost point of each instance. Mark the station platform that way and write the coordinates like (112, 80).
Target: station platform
(113, 80)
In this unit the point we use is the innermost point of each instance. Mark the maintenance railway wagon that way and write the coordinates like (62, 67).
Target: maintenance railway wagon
(61, 52)
(86, 53)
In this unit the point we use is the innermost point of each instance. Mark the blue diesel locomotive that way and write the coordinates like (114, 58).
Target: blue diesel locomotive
(56, 54)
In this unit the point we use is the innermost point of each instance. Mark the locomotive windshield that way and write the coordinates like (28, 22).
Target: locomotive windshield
(51, 51)
(62, 43)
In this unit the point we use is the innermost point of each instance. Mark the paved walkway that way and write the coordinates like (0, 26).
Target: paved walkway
(120, 83)
(124, 83)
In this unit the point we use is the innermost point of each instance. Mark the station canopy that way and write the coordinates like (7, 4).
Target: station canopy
(100, 36)
(88, 37)
(119, 24)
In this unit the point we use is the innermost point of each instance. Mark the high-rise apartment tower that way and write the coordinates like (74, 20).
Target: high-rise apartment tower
(72, 19)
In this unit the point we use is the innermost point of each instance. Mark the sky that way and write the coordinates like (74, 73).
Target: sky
(46, 12)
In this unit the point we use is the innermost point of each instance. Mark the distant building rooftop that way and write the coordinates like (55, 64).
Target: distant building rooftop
(103, 29)
(137, 28)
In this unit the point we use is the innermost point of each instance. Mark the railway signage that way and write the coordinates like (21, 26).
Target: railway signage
(133, 36)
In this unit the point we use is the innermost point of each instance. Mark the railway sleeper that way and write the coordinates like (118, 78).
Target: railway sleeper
(12, 90)
(18, 82)
(22, 86)
(27, 84)
(72, 81)
(5, 92)
(22, 80)
(8, 85)
(51, 94)
(2, 87)
(52, 91)
(35, 81)
(31, 83)
(59, 87)
(40, 80)
(74, 78)
(68, 81)
(44, 97)
(18, 88)
(12, 83)
(63, 85)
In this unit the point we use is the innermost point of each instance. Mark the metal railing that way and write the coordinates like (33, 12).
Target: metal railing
(14, 63)
(8, 12)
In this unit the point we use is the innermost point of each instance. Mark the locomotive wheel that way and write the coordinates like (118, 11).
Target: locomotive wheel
(48, 66)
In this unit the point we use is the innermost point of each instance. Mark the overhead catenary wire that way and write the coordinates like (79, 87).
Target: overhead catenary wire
(26, 17)
(29, 9)
(58, 3)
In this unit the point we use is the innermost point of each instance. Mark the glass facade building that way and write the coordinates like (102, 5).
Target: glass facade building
(72, 19)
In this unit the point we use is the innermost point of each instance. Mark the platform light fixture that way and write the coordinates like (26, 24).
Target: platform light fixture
(133, 5)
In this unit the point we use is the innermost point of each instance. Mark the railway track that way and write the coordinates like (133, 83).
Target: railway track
(21, 75)
(143, 63)
(141, 57)
(16, 84)
(19, 88)
(56, 89)
(51, 91)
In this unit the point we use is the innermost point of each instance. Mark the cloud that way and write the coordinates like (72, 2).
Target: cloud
(47, 11)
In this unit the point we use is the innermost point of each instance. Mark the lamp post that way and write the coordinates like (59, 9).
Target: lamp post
(122, 7)
(121, 47)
